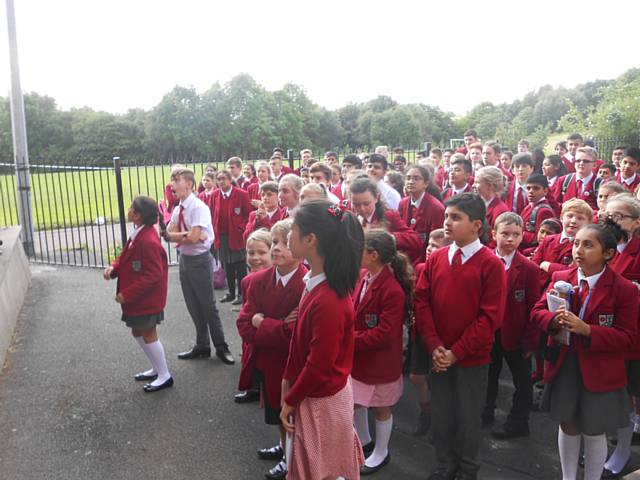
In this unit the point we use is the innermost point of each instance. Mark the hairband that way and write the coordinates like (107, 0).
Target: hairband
(335, 211)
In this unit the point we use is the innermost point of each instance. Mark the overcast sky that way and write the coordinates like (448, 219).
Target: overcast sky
(119, 54)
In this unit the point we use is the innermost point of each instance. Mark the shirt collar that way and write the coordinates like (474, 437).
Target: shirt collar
(134, 234)
(621, 246)
(563, 236)
(508, 259)
(226, 194)
(285, 278)
(369, 218)
(187, 201)
(592, 280)
(628, 181)
(312, 282)
(585, 180)
(468, 251)
(417, 203)
(488, 202)
(459, 190)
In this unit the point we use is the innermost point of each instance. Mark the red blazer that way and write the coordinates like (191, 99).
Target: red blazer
(237, 213)
(523, 291)
(208, 201)
(555, 193)
(254, 223)
(569, 166)
(267, 347)
(558, 254)
(589, 194)
(508, 198)
(612, 313)
(285, 169)
(441, 177)
(142, 272)
(321, 350)
(170, 198)
(337, 191)
(461, 307)
(631, 188)
(530, 233)
(378, 328)
(429, 216)
(448, 192)
(495, 208)
(627, 264)
(254, 192)
(408, 241)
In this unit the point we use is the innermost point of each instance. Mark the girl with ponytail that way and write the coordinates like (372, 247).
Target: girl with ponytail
(382, 299)
(317, 397)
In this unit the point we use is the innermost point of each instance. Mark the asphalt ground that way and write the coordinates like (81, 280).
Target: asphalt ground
(69, 408)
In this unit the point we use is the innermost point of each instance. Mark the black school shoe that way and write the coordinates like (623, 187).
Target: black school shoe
(279, 472)
(195, 352)
(608, 474)
(227, 298)
(509, 430)
(368, 448)
(141, 377)
(224, 354)
(365, 470)
(443, 472)
(423, 424)
(148, 388)
(247, 396)
(271, 453)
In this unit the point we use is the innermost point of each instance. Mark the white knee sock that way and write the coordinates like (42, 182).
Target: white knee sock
(361, 422)
(569, 449)
(155, 352)
(595, 453)
(383, 434)
(140, 341)
(622, 453)
(636, 422)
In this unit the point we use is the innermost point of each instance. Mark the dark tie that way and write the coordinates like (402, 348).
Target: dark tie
(410, 216)
(456, 261)
(181, 225)
(364, 222)
(521, 200)
(583, 293)
(579, 187)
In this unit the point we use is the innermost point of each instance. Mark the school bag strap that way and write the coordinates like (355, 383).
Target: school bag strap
(531, 224)
(567, 181)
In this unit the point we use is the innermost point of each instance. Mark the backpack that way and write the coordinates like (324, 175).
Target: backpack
(531, 224)
(569, 178)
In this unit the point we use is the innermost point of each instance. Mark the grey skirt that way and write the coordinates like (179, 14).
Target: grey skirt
(567, 400)
(143, 322)
(226, 255)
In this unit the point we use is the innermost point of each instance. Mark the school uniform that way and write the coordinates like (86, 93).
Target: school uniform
(196, 273)
(516, 197)
(494, 208)
(422, 215)
(557, 250)
(555, 190)
(170, 198)
(207, 199)
(274, 296)
(253, 191)
(420, 360)
(533, 215)
(631, 184)
(377, 362)
(452, 190)
(284, 171)
(568, 161)
(584, 189)
(254, 223)
(441, 177)
(516, 336)
(231, 213)
(467, 328)
(408, 241)
(318, 367)
(338, 191)
(586, 380)
(389, 194)
(249, 181)
(142, 272)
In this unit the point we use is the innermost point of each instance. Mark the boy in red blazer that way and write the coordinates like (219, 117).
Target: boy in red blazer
(628, 175)
(517, 337)
(554, 253)
(459, 178)
(460, 334)
(573, 143)
(206, 195)
(268, 212)
(584, 183)
(267, 321)
(516, 196)
(537, 210)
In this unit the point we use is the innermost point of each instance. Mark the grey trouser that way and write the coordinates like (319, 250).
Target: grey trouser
(458, 396)
(197, 288)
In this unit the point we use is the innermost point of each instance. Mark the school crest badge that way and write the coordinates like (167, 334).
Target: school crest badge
(136, 265)
(236, 210)
(519, 294)
(605, 320)
(371, 319)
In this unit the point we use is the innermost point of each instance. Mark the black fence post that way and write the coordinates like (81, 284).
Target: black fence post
(290, 158)
(123, 219)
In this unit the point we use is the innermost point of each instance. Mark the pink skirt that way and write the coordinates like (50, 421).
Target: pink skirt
(325, 444)
(380, 395)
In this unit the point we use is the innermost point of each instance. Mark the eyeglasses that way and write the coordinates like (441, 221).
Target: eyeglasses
(414, 179)
(582, 160)
(616, 216)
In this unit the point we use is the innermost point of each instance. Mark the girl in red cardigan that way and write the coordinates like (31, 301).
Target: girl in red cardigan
(383, 299)
(317, 400)
(142, 269)
(586, 379)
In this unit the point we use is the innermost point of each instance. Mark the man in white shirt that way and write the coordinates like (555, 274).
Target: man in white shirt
(376, 169)
(191, 228)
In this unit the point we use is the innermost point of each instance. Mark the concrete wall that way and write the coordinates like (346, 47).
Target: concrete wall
(14, 283)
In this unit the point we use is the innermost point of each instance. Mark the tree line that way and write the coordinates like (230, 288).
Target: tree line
(242, 117)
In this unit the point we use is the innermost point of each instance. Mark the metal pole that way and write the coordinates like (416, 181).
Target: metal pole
(19, 134)
(290, 158)
(123, 219)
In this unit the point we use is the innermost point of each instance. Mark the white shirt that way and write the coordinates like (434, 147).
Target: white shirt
(621, 246)
(312, 282)
(285, 278)
(332, 198)
(563, 236)
(134, 234)
(488, 202)
(468, 251)
(592, 280)
(552, 181)
(369, 218)
(416, 203)
(516, 192)
(226, 194)
(389, 194)
(196, 214)
(508, 259)
(459, 191)
(271, 214)
(629, 180)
